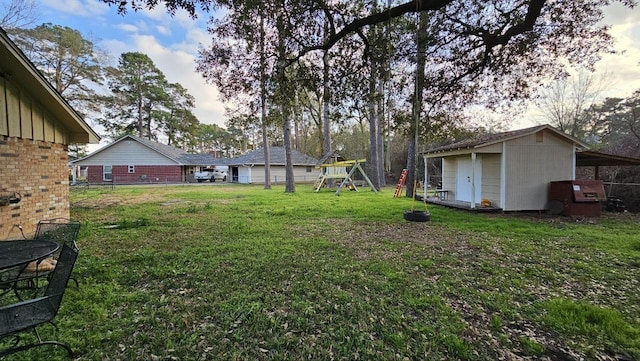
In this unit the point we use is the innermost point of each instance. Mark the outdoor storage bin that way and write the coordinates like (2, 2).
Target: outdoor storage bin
(576, 197)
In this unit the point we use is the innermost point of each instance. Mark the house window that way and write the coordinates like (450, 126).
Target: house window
(132, 168)
(107, 173)
(539, 137)
(309, 169)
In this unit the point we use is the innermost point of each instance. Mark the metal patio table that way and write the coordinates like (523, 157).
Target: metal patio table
(16, 255)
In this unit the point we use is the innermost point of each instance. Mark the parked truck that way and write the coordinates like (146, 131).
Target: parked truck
(210, 175)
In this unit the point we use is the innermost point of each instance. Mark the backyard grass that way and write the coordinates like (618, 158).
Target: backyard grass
(231, 272)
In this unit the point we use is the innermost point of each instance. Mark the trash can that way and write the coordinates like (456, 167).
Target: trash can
(576, 198)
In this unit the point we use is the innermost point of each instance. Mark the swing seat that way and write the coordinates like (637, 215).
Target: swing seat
(417, 216)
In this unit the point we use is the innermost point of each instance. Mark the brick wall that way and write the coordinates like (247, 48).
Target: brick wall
(38, 171)
(141, 174)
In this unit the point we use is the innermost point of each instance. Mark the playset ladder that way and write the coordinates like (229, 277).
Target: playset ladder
(319, 181)
(401, 181)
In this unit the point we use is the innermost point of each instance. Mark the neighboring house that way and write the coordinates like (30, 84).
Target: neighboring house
(36, 127)
(132, 159)
(512, 169)
(249, 168)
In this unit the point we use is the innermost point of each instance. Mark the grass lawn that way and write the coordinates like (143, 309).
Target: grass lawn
(231, 272)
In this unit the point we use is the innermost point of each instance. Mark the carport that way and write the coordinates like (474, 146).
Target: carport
(597, 160)
(628, 197)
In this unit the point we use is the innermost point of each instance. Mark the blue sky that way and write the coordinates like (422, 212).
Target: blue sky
(172, 43)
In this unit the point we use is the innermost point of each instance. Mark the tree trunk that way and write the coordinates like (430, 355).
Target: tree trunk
(381, 112)
(387, 106)
(412, 147)
(148, 125)
(374, 126)
(284, 108)
(375, 133)
(140, 121)
(263, 110)
(326, 122)
(296, 125)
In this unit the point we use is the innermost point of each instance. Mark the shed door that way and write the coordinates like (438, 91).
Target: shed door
(463, 179)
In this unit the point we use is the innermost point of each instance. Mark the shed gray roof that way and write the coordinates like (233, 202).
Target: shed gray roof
(331, 154)
(488, 139)
(276, 157)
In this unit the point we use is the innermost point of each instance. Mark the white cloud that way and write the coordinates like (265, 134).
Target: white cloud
(181, 18)
(78, 7)
(159, 13)
(117, 47)
(130, 28)
(180, 67)
(192, 40)
(622, 70)
(163, 30)
(617, 13)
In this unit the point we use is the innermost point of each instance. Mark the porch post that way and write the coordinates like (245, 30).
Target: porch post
(473, 180)
(503, 176)
(573, 163)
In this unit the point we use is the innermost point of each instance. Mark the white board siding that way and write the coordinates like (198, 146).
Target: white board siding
(449, 176)
(490, 183)
(491, 177)
(255, 174)
(244, 175)
(530, 166)
(127, 152)
(278, 174)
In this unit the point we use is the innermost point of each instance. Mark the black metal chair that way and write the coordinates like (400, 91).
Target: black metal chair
(27, 315)
(59, 230)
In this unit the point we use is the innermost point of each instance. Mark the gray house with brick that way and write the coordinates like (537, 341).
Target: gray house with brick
(132, 159)
(36, 127)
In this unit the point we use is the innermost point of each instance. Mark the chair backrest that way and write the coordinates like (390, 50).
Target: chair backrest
(30, 313)
(59, 230)
(62, 273)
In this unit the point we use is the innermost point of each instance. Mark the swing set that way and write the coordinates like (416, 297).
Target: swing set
(338, 171)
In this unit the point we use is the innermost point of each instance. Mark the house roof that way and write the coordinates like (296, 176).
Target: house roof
(168, 151)
(489, 139)
(595, 159)
(330, 155)
(276, 157)
(16, 67)
(180, 156)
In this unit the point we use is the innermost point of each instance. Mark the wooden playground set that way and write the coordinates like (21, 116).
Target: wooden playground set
(337, 171)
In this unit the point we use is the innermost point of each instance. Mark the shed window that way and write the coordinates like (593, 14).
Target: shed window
(107, 173)
(131, 168)
(309, 169)
(539, 137)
